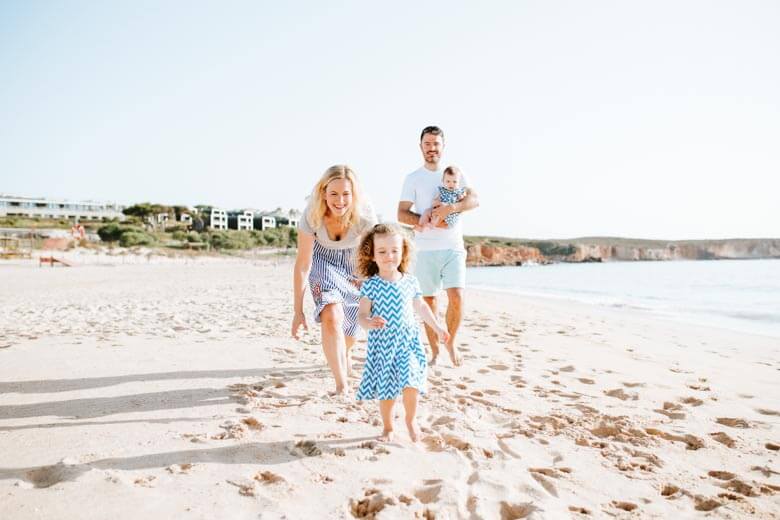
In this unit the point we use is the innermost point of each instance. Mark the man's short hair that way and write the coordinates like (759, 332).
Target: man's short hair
(433, 130)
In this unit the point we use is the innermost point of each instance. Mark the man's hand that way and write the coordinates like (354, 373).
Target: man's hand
(441, 212)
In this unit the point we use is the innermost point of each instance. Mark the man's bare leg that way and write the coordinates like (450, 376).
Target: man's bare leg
(454, 317)
(433, 339)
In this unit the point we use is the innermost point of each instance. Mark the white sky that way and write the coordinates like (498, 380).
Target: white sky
(655, 119)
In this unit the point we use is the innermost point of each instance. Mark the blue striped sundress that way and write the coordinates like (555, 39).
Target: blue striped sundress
(332, 280)
(395, 356)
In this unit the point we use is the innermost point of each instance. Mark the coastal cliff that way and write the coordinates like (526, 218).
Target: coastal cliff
(488, 251)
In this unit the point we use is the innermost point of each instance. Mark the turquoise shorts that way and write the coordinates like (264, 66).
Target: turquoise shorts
(444, 269)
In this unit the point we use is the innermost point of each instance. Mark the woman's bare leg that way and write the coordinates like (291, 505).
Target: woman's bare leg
(334, 344)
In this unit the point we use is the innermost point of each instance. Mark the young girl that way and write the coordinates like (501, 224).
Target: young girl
(395, 363)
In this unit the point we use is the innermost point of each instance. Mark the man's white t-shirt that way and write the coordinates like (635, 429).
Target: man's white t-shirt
(420, 188)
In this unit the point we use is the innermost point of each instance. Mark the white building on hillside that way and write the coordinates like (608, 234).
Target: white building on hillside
(219, 219)
(11, 206)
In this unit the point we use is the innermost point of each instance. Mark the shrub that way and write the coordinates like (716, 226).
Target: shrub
(130, 238)
(231, 240)
(110, 232)
(179, 235)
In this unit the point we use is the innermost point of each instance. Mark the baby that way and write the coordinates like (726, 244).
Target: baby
(450, 192)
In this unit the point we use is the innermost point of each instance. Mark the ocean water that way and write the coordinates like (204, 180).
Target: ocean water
(742, 295)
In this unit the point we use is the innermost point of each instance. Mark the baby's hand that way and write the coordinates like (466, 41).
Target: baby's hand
(376, 322)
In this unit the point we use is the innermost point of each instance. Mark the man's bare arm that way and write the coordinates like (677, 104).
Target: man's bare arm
(406, 215)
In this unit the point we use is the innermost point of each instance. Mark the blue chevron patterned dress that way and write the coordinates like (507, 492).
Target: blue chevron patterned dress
(395, 358)
(332, 280)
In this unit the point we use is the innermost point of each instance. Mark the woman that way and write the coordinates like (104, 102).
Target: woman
(328, 236)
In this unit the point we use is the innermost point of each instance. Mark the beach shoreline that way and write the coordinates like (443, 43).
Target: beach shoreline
(174, 389)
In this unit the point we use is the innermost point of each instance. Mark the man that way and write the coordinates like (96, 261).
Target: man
(441, 257)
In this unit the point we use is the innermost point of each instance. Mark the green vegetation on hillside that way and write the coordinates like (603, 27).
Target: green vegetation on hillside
(128, 235)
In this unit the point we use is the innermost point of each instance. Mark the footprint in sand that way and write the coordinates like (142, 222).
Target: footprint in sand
(181, 469)
(625, 506)
(430, 493)
(772, 446)
(620, 394)
(764, 411)
(306, 448)
(498, 367)
(269, 477)
(693, 401)
(721, 475)
(733, 422)
(670, 491)
(368, 507)
(723, 438)
(705, 504)
(515, 511)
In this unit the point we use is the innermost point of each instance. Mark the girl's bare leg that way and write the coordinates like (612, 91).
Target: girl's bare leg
(334, 344)
(410, 405)
(386, 410)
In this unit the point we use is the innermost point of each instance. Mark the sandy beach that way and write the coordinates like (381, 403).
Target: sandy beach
(171, 389)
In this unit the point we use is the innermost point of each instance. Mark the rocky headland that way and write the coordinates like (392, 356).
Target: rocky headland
(489, 251)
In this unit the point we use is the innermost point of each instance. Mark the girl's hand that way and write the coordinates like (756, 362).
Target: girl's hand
(376, 322)
(444, 335)
(299, 320)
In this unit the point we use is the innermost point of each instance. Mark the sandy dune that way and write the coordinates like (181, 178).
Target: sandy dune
(173, 390)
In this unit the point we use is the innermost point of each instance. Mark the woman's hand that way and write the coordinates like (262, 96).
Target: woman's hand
(299, 320)
(376, 322)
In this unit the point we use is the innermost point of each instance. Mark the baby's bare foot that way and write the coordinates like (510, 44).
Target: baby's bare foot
(414, 431)
(387, 436)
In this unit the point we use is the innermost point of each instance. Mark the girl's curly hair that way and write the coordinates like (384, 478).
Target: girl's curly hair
(365, 255)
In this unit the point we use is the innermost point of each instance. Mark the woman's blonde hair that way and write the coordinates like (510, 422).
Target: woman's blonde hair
(318, 206)
(366, 266)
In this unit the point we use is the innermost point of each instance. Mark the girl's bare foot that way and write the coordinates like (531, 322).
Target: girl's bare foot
(387, 436)
(340, 391)
(414, 430)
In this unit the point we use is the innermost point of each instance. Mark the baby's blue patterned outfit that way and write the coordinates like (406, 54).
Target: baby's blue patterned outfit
(449, 196)
(395, 359)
